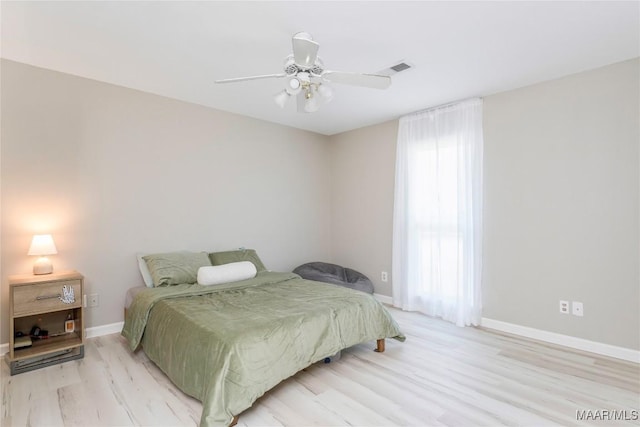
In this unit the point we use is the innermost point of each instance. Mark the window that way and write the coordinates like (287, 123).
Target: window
(437, 213)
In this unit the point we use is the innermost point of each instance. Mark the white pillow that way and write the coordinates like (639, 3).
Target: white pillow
(144, 270)
(232, 272)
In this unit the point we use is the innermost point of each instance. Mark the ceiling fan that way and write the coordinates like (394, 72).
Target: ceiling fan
(306, 78)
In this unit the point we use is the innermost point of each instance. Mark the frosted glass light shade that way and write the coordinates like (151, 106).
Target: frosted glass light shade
(311, 105)
(281, 98)
(325, 92)
(41, 245)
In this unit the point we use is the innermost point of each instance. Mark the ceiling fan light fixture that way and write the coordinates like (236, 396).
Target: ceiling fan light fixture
(311, 105)
(294, 84)
(325, 92)
(281, 98)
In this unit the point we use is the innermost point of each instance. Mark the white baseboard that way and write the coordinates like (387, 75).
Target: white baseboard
(563, 340)
(96, 331)
(511, 328)
(384, 299)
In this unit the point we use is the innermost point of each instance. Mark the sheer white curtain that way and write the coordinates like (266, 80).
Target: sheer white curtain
(437, 221)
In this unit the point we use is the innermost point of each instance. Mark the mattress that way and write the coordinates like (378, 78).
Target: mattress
(131, 294)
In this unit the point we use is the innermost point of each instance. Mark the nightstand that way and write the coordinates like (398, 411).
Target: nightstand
(46, 320)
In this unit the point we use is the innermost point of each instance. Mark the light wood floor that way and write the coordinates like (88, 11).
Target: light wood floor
(442, 375)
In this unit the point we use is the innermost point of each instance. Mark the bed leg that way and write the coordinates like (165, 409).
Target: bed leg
(380, 346)
(234, 421)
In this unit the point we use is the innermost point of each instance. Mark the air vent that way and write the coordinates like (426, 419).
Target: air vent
(400, 67)
(396, 68)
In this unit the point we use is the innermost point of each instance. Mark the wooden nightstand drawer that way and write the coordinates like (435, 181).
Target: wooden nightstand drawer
(28, 299)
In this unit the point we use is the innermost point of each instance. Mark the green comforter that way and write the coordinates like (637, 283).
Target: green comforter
(227, 345)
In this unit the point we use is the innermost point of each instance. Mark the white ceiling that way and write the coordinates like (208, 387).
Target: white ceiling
(459, 49)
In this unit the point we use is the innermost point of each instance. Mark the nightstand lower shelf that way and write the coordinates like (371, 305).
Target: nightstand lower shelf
(41, 360)
(49, 345)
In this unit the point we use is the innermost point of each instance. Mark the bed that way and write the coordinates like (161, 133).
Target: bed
(226, 345)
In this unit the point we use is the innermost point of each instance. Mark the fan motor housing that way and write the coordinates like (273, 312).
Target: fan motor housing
(291, 68)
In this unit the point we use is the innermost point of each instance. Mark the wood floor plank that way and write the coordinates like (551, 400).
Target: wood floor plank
(441, 376)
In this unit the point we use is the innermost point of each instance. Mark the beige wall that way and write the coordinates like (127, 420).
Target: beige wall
(561, 204)
(362, 186)
(107, 170)
(110, 171)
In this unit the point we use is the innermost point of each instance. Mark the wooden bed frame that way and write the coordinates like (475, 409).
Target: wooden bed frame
(379, 349)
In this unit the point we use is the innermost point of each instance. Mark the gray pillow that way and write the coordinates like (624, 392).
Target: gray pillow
(336, 274)
(175, 268)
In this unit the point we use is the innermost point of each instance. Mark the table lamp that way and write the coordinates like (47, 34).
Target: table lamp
(42, 245)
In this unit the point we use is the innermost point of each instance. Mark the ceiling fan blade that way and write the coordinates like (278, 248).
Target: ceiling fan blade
(242, 79)
(358, 79)
(305, 50)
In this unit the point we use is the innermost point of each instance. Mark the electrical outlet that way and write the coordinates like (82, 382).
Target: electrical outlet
(564, 307)
(577, 309)
(384, 276)
(92, 300)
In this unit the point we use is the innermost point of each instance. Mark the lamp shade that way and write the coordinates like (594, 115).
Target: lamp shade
(42, 244)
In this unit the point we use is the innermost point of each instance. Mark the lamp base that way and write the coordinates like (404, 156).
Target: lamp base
(43, 266)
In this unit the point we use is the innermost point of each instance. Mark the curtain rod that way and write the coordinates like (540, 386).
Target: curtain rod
(446, 106)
